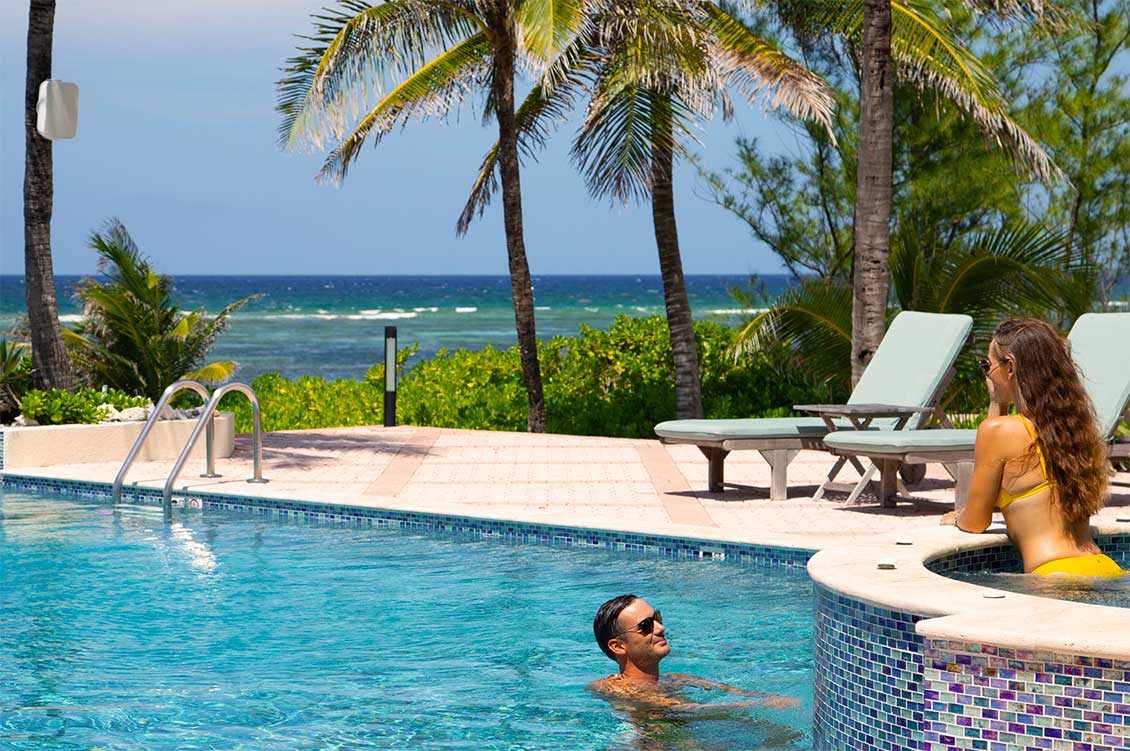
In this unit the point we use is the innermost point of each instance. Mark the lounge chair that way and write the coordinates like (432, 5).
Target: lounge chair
(912, 367)
(1100, 345)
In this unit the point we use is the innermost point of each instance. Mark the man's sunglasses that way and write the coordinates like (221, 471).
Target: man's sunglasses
(645, 627)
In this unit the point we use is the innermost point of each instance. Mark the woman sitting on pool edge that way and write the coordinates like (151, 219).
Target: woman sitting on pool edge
(1046, 467)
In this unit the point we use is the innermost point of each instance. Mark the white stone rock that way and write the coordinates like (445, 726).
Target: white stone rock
(108, 413)
(134, 413)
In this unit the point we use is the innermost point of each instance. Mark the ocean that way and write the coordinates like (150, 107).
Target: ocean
(333, 326)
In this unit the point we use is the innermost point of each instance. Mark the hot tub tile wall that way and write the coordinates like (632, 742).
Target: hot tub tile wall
(868, 676)
(979, 696)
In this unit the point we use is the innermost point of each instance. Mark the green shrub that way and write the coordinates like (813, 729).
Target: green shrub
(15, 377)
(59, 407)
(617, 382)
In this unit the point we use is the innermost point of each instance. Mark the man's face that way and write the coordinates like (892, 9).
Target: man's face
(642, 648)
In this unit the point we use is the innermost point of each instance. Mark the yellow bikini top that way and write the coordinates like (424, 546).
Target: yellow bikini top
(1004, 498)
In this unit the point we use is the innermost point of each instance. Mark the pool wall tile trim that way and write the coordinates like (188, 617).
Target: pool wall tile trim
(463, 526)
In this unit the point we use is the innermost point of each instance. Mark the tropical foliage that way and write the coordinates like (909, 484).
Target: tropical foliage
(616, 382)
(904, 37)
(1015, 270)
(82, 406)
(15, 377)
(132, 336)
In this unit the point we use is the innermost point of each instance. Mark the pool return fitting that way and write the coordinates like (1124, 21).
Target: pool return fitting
(204, 424)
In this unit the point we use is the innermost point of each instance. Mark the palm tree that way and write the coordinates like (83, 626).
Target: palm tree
(655, 70)
(904, 32)
(422, 58)
(132, 336)
(872, 187)
(52, 370)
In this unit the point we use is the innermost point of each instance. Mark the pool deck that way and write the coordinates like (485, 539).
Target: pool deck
(603, 483)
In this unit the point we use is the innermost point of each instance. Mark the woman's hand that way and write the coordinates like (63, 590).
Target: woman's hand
(996, 405)
(949, 519)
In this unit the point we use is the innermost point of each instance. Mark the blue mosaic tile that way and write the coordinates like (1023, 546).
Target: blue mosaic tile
(868, 677)
(520, 532)
(1048, 701)
(1005, 558)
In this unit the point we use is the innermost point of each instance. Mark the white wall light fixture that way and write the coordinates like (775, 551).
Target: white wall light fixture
(57, 110)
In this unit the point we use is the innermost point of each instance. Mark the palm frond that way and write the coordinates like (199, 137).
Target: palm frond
(548, 26)
(361, 51)
(756, 67)
(430, 91)
(624, 125)
(547, 105)
(814, 321)
(213, 372)
(927, 56)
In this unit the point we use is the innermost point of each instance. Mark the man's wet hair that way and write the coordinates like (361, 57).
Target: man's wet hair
(604, 624)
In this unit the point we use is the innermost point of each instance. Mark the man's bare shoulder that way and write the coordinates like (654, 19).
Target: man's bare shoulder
(605, 685)
(642, 692)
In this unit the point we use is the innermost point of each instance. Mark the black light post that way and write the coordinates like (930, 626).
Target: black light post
(390, 376)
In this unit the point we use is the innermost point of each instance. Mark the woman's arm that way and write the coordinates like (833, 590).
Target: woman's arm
(989, 456)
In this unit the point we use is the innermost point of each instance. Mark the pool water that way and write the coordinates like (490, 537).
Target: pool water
(230, 631)
(1091, 590)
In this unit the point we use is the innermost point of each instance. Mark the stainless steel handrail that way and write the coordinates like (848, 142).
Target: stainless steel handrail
(205, 419)
(174, 388)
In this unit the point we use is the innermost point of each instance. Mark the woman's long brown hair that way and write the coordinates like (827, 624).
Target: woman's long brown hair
(1050, 393)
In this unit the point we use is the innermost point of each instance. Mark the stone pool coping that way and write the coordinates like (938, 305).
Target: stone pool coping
(960, 611)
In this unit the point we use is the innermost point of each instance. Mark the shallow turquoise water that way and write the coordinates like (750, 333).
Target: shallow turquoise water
(226, 631)
(1091, 590)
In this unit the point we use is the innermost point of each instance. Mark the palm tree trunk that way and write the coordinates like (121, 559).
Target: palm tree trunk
(688, 390)
(520, 286)
(870, 273)
(52, 370)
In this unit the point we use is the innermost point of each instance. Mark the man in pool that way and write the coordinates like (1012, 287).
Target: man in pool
(631, 632)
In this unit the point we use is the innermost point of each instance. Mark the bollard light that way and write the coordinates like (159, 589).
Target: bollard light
(390, 376)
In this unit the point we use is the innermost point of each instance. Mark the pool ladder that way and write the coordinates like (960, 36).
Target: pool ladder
(205, 424)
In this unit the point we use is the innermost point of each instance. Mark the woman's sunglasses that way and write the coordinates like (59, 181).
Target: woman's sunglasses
(645, 627)
(987, 367)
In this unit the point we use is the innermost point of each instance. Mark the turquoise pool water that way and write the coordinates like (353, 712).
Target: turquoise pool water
(226, 631)
(1092, 590)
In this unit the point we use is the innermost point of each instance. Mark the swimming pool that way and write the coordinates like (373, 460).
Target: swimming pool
(225, 630)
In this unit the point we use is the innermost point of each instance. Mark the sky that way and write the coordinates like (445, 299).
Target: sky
(177, 138)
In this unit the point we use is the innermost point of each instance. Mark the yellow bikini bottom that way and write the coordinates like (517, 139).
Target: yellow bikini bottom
(1082, 565)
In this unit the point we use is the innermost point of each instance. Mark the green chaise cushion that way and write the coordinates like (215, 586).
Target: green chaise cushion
(898, 442)
(690, 431)
(1100, 344)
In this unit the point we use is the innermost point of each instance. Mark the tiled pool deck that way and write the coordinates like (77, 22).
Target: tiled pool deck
(637, 486)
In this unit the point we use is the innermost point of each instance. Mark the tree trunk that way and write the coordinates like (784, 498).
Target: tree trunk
(52, 370)
(520, 286)
(870, 273)
(688, 390)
